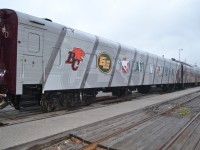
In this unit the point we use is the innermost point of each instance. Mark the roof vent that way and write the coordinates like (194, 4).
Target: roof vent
(173, 59)
(48, 19)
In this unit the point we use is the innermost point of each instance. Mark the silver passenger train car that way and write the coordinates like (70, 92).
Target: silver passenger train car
(59, 67)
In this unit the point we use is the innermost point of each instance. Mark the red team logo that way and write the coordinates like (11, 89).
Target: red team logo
(125, 63)
(75, 56)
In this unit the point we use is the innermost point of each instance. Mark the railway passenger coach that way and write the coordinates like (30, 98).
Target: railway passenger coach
(60, 67)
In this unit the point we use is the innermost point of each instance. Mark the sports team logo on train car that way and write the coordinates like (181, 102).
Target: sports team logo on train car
(104, 62)
(125, 63)
(75, 56)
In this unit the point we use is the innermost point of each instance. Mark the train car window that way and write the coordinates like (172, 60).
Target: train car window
(158, 70)
(151, 68)
(172, 71)
(136, 67)
(139, 66)
(166, 71)
(169, 71)
(161, 71)
(33, 42)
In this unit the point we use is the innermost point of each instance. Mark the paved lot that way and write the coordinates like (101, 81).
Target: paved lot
(30, 131)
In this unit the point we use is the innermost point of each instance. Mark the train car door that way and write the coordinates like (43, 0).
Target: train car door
(32, 64)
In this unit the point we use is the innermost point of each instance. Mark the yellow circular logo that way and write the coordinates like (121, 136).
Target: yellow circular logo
(104, 62)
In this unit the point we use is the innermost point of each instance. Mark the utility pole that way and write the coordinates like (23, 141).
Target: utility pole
(179, 50)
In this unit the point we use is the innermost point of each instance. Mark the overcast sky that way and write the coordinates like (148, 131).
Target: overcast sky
(160, 27)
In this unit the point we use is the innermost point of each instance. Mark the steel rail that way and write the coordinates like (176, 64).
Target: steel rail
(95, 144)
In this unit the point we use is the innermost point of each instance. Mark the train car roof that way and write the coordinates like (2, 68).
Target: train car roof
(37, 22)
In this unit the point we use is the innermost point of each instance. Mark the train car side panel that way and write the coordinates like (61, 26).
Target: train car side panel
(150, 70)
(165, 76)
(106, 57)
(159, 71)
(71, 62)
(123, 67)
(139, 68)
(171, 79)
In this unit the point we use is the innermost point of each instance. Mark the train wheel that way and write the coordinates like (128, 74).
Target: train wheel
(121, 92)
(86, 101)
(116, 93)
(165, 88)
(171, 87)
(43, 104)
(46, 105)
(3, 103)
(87, 98)
(50, 106)
(143, 89)
(50, 102)
(16, 101)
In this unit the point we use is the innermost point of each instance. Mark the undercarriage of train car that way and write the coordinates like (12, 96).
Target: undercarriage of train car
(59, 100)
(50, 100)
(68, 99)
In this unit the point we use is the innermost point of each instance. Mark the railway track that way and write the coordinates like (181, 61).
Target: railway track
(170, 143)
(155, 130)
(188, 137)
(11, 117)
